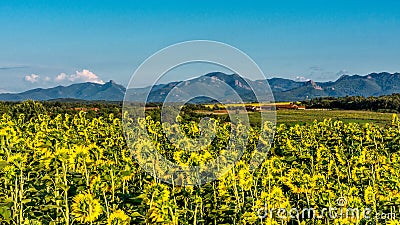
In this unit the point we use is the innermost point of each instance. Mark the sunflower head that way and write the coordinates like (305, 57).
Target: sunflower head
(18, 160)
(118, 218)
(85, 208)
(369, 195)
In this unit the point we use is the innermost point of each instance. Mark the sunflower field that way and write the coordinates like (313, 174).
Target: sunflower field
(70, 169)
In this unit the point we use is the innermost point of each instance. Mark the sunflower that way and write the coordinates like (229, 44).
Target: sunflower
(393, 222)
(245, 179)
(369, 195)
(18, 160)
(85, 208)
(118, 218)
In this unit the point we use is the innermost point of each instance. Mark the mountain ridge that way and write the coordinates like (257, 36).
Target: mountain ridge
(373, 84)
(83, 91)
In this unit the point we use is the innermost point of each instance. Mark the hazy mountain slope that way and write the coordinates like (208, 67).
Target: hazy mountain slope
(223, 85)
(86, 91)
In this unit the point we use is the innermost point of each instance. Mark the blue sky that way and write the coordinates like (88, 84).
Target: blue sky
(48, 43)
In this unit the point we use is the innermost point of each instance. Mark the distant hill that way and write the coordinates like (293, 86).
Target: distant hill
(109, 91)
(374, 84)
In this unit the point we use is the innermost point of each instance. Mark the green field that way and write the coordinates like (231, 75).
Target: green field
(302, 117)
(308, 116)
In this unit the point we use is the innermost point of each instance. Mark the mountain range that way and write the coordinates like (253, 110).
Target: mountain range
(109, 91)
(374, 84)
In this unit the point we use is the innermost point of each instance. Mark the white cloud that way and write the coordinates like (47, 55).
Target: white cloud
(302, 79)
(79, 76)
(85, 76)
(60, 77)
(4, 91)
(33, 78)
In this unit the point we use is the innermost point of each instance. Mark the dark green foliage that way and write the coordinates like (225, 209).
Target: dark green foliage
(387, 103)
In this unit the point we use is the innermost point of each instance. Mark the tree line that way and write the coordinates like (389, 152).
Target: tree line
(386, 103)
